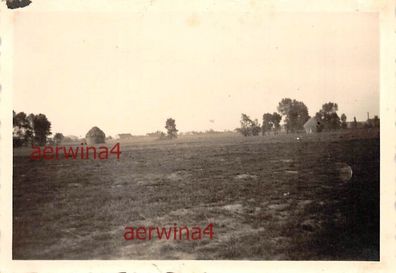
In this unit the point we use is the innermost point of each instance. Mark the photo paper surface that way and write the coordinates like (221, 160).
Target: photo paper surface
(194, 136)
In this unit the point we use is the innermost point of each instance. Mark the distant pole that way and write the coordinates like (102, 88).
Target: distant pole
(368, 116)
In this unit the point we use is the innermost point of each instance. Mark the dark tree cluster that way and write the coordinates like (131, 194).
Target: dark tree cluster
(373, 123)
(171, 131)
(30, 129)
(58, 138)
(271, 122)
(249, 127)
(170, 126)
(295, 115)
(329, 118)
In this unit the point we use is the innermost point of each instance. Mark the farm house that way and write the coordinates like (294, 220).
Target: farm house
(95, 136)
(312, 125)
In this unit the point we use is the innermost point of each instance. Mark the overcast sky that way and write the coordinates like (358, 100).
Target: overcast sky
(129, 72)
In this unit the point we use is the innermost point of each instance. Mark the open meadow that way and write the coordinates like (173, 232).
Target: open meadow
(283, 197)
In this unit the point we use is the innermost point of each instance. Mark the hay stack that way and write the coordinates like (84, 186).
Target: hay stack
(95, 136)
(312, 125)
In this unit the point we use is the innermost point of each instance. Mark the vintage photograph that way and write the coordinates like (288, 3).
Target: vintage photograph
(195, 135)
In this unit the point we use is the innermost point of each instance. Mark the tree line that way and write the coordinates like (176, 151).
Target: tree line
(295, 115)
(30, 129)
(35, 129)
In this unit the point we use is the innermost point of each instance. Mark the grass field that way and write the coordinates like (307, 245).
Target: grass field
(269, 198)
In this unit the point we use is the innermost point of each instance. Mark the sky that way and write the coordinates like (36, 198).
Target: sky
(129, 72)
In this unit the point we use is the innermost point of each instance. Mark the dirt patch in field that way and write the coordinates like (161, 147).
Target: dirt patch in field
(245, 176)
(178, 176)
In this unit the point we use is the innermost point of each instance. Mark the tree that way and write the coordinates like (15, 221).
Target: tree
(343, 121)
(276, 119)
(22, 130)
(41, 128)
(328, 116)
(255, 127)
(271, 122)
(170, 126)
(295, 113)
(372, 123)
(334, 122)
(354, 124)
(31, 129)
(245, 124)
(58, 138)
(267, 123)
(376, 122)
(248, 126)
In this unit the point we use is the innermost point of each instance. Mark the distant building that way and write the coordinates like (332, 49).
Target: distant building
(123, 136)
(312, 125)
